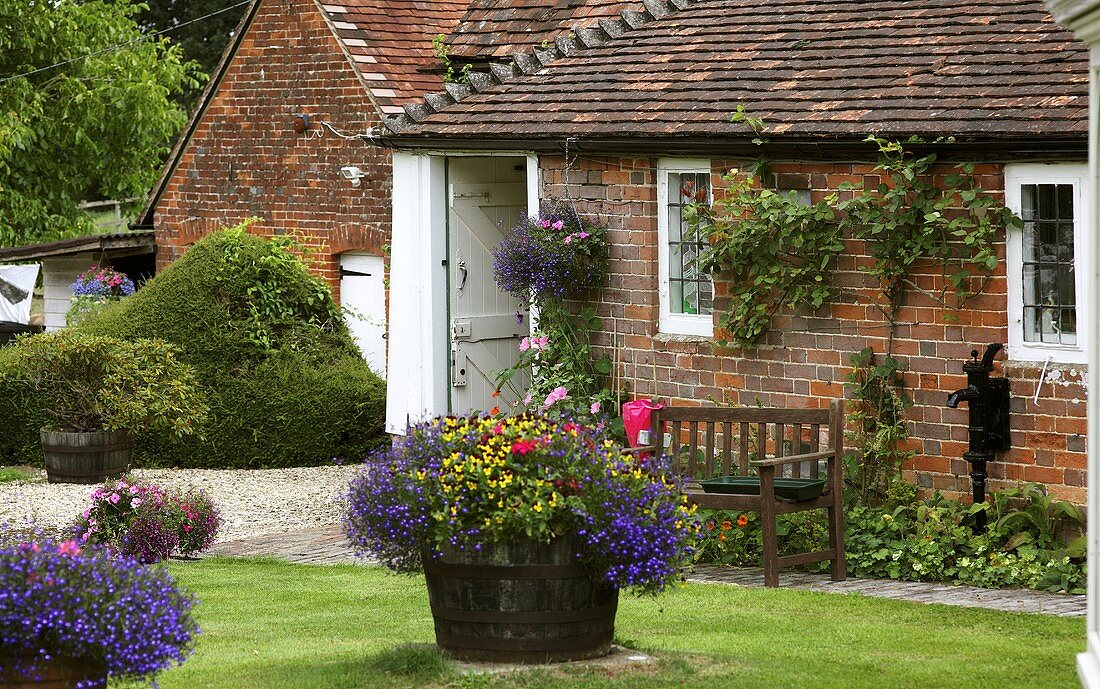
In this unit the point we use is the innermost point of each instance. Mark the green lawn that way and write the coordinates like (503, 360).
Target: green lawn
(268, 624)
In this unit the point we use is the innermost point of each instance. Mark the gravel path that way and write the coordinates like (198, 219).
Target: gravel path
(252, 503)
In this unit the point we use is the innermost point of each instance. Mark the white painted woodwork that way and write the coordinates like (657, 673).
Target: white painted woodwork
(363, 298)
(58, 274)
(1083, 17)
(486, 197)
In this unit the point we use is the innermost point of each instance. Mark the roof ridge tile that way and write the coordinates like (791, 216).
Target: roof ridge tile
(457, 90)
(481, 81)
(592, 37)
(438, 101)
(658, 9)
(614, 27)
(504, 72)
(526, 62)
(547, 55)
(634, 19)
(530, 62)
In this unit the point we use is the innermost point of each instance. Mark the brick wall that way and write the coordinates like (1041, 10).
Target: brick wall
(803, 360)
(245, 159)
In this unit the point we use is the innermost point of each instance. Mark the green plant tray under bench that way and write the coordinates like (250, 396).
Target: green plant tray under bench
(796, 489)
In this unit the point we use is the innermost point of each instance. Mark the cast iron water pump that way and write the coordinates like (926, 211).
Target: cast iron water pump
(988, 400)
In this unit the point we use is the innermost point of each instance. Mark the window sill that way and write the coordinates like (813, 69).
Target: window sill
(674, 337)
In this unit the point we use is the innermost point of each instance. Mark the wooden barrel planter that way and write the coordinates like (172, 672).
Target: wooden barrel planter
(28, 671)
(519, 602)
(88, 457)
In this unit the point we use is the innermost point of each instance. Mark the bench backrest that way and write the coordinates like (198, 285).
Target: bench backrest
(720, 441)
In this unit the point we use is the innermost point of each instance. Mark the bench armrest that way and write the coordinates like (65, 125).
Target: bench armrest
(640, 448)
(792, 459)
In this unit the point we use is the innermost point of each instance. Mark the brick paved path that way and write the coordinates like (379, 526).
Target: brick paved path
(326, 545)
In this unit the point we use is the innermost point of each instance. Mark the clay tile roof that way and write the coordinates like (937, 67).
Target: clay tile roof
(816, 69)
(390, 42)
(498, 28)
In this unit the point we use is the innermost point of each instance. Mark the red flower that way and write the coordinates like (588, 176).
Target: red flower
(494, 411)
(496, 393)
(522, 447)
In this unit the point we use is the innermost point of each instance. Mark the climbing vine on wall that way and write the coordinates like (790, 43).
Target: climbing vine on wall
(775, 252)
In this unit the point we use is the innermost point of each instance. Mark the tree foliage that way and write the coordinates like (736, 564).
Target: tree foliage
(87, 111)
(201, 28)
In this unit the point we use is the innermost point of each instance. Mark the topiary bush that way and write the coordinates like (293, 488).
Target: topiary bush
(284, 381)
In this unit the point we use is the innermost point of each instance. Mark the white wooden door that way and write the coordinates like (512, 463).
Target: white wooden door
(363, 297)
(485, 331)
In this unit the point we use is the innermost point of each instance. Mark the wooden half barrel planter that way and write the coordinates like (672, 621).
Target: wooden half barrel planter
(28, 671)
(89, 457)
(519, 602)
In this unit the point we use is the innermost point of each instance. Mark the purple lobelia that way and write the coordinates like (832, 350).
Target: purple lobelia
(556, 255)
(62, 599)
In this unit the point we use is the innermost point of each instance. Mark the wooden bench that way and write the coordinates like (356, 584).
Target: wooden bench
(709, 442)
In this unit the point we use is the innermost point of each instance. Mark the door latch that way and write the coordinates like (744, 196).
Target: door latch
(458, 367)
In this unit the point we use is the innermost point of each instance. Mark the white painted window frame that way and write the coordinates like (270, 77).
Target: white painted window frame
(1017, 175)
(670, 323)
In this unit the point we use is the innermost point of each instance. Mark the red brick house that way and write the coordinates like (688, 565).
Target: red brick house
(620, 112)
(281, 133)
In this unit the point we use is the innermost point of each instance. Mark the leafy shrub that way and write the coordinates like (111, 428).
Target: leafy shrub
(284, 381)
(929, 540)
(148, 523)
(94, 383)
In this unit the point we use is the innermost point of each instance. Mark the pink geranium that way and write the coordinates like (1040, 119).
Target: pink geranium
(556, 395)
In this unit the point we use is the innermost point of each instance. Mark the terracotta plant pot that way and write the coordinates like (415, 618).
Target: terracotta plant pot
(90, 457)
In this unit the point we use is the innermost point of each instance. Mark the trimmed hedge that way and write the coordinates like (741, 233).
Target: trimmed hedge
(284, 379)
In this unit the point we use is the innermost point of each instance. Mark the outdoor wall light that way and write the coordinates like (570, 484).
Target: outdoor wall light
(353, 173)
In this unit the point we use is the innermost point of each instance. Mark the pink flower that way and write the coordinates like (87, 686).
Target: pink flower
(582, 235)
(135, 502)
(527, 399)
(595, 408)
(114, 499)
(558, 224)
(544, 224)
(525, 344)
(569, 239)
(69, 548)
(544, 342)
(556, 395)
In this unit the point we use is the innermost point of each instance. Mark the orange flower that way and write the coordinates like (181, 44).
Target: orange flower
(710, 525)
(494, 411)
(496, 393)
(721, 537)
(726, 525)
(743, 521)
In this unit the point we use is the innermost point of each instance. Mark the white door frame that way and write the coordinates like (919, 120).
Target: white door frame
(418, 385)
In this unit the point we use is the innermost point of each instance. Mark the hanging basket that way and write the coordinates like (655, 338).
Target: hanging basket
(520, 602)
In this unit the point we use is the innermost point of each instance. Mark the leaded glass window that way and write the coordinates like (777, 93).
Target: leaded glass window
(690, 289)
(1049, 289)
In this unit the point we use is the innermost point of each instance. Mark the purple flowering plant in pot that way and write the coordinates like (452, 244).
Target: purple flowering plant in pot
(147, 522)
(483, 505)
(556, 255)
(76, 615)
